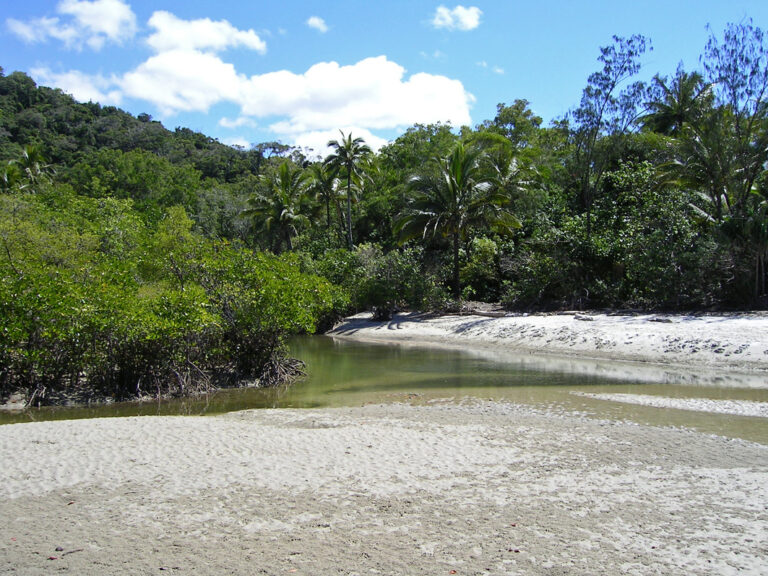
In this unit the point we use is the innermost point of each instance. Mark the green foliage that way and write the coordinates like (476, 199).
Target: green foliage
(89, 294)
(153, 183)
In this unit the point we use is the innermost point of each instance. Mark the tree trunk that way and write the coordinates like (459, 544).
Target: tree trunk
(349, 210)
(456, 276)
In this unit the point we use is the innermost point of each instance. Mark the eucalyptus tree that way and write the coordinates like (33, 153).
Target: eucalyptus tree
(277, 208)
(737, 65)
(348, 157)
(607, 109)
(458, 196)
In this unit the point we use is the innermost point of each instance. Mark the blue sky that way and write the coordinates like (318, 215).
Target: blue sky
(298, 70)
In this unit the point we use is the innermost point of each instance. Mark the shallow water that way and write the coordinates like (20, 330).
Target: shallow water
(348, 373)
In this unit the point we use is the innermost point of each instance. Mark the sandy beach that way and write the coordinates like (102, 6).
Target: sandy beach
(475, 487)
(736, 341)
(723, 350)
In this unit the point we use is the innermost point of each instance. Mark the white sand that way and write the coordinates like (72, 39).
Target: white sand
(727, 350)
(478, 488)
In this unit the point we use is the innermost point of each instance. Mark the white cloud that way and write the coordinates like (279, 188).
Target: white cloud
(87, 23)
(318, 24)
(498, 70)
(82, 87)
(173, 33)
(373, 93)
(237, 122)
(458, 18)
(102, 19)
(182, 80)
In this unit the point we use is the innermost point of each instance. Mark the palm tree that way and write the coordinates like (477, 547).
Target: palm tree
(348, 156)
(25, 172)
(678, 103)
(449, 204)
(704, 164)
(323, 184)
(10, 177)
(278, 209)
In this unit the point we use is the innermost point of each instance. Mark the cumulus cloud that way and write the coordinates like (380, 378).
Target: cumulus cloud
(318, 24)
(183, 81)
(92, 24)
(82, 87)
(458, 18)
(172, 33)
(373, 93)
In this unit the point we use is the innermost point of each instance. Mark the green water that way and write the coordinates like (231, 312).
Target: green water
(346, 373)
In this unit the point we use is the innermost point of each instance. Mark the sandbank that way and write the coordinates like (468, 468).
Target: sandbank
(725, 350)
(475, 488)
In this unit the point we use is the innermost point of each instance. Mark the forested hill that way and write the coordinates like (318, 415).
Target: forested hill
(68, 131)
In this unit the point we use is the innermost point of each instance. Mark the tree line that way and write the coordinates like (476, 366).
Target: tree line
(137, 257)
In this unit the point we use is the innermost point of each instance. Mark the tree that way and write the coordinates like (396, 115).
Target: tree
(516, 122)
(738, 67)
(459, 197)
(348, 156)
(323, 184)
(675, 104)
(606, 111)
(278, 208)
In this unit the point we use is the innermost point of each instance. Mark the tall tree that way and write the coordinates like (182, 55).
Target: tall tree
(348, 157)
(461, 196)
(277, 209)
(677, 103)
(323, 184)
(606, 110)
(738, 67)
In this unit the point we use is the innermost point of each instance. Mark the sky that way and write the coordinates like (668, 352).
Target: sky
(298, 71)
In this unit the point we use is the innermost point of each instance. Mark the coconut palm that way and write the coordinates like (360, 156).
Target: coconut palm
(460, 197)
(679, 103)
(348, 157)
(323, 185)
(277, 209)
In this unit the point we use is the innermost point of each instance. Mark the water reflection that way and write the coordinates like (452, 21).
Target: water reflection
(348, 373)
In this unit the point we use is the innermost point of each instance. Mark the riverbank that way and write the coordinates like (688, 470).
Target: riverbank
(479, 487)
(693, 348)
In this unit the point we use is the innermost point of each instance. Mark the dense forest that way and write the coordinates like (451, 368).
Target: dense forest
(143, 261)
